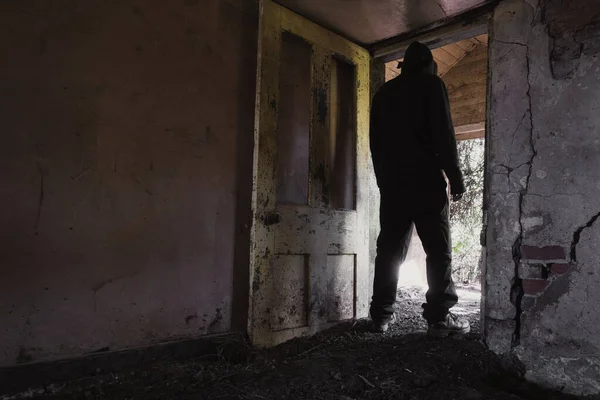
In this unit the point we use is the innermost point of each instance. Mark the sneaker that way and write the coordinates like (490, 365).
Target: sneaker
(452, 325)
(383, 326)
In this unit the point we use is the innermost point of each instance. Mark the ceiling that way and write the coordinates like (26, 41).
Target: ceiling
(370, 21)
(446, 57)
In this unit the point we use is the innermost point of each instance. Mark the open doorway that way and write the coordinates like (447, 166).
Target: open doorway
(463, 68)
(311, 235)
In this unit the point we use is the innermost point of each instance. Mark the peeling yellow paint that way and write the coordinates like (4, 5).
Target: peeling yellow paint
(316, 231)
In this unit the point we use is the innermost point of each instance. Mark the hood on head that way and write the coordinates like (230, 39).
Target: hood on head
(417, 57)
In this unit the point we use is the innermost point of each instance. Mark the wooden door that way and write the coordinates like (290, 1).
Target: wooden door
(310, 244)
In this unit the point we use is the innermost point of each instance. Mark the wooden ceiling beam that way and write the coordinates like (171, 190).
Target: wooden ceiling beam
(473, 131)
(464, 26)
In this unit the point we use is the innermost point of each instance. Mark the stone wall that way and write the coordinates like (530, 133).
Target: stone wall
(126, 170)
(542, 269)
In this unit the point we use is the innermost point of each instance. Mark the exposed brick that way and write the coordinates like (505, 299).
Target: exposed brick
(558, 269)
(528, 302)
(545, 253)
(534, 286)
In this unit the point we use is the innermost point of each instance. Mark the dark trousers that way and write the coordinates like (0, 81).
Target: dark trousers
(429, 212)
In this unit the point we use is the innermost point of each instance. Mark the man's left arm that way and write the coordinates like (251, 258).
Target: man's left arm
(444, 138)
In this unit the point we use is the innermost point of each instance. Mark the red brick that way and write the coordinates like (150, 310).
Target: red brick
(534, 286)
(543, 253)
(558, 269)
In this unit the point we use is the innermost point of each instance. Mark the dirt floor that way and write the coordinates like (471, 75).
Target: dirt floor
(345, 363)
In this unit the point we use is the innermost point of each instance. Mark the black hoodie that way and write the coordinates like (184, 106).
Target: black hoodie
(412, 134)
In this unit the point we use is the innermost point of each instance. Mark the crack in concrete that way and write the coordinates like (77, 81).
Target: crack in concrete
(509, 170)
(577, 236)
(516, 290)
(515, 43)
(503, 56)
(512, 143)
(517, 285)
(547, 196)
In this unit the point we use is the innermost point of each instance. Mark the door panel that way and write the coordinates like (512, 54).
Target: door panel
(342, 136)
(310, 266)
(293, 134)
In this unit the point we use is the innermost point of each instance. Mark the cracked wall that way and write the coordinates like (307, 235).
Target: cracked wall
(542, 258)
(126, 169)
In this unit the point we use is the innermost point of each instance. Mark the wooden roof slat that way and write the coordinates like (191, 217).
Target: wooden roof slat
(444, 56)
(454, 50)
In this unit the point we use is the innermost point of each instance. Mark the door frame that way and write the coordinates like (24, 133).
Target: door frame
(465, 26)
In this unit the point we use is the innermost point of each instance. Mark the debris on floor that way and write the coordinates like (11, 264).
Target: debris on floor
(345, 363)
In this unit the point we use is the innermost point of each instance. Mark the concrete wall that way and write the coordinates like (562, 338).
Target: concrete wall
(125, 162)
(543, 259)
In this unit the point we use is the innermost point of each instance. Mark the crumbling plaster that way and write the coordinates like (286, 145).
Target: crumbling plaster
(544, 169)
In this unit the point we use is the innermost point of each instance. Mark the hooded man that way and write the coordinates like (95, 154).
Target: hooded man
(413, 145)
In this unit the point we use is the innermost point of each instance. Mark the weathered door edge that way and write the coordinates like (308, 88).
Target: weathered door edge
(255, 154)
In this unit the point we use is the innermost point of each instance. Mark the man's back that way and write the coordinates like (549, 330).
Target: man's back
(412, 141)
(412, 137)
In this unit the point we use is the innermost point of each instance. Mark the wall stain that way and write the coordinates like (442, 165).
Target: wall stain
(320, 175)
(256, 280)
(81, 175)
(207, 50)
(322, 110)
(209, 137)
(43, 45)
(136, 10)
(190, 318)
(41, 198)
(100, 350)
(216, 320)
(24, 355)
(139, 181)
(106, 282)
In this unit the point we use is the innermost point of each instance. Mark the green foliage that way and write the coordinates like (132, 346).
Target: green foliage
(466, 215)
